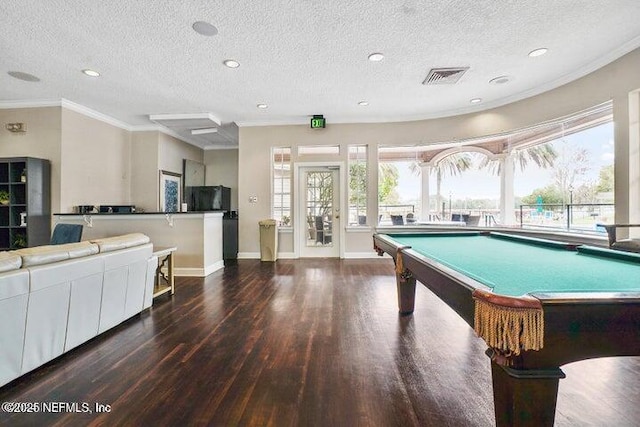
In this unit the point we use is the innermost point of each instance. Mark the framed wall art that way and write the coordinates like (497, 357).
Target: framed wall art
(170, 191)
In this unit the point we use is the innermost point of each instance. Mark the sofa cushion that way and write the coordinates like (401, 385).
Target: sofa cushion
(41, 255)
(110, 244)
(9, 261)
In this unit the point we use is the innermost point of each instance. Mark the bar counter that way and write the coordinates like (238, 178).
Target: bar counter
(197, 235)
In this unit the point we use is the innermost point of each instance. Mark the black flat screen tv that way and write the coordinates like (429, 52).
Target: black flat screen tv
(208, 198)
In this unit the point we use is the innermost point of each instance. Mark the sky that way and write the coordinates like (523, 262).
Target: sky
(480, 184)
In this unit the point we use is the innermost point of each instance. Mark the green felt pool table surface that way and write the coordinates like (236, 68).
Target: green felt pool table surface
(515, 266)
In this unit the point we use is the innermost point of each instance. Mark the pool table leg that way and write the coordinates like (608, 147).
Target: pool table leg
(406, 285)
(525, 397)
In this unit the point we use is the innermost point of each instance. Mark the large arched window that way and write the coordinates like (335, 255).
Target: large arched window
(561, 163)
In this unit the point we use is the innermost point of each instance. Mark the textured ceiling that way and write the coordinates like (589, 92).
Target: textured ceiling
(302, 57)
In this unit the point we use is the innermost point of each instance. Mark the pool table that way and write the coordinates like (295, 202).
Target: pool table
(538, 304)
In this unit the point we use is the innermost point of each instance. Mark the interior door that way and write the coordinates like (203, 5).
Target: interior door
(319, 221)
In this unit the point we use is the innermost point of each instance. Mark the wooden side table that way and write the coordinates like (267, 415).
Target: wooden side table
(164, 282)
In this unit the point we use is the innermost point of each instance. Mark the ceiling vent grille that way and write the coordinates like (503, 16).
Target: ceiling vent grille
(444, 76)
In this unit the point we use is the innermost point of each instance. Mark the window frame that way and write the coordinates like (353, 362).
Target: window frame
(361, 157)
(278, 212)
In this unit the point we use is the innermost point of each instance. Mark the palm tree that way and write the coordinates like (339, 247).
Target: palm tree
(451, 165)
(543, 155)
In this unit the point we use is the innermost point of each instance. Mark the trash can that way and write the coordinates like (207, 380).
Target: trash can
(268, 240)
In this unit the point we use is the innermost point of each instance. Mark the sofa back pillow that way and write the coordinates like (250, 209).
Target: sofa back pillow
(9, 261)
(110, 244)
(47, 254)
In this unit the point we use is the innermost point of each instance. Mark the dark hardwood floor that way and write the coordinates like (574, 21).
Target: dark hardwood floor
(300, 343)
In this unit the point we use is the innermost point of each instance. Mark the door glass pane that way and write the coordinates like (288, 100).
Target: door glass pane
(319, 208)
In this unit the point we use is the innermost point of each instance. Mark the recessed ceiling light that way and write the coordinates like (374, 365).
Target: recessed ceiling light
(376, 57)
(231, 63)
(363, 103)
(204, 28)
(23, 76)
(538, 52)
(91, 73)
(262, 106)
(500, 80)
(475, 100)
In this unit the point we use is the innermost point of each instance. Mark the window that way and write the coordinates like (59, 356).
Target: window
(562, 176)
(357, 185)
(318, 149)
(282, 185)
(398, 184)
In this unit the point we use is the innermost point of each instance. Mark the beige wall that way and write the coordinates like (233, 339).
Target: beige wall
(172, 151)
(222, 169)
(109, 165)
(171, 154)
(144, 170)
(151, 152)
(42, 140)
(633, 188)
(613, 82)
(95, 162)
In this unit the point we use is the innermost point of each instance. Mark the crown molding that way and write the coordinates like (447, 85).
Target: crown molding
(36, 103)
(69, 105)
(86, 111)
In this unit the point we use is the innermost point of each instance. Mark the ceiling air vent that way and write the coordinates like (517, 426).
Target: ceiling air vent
(444, 76)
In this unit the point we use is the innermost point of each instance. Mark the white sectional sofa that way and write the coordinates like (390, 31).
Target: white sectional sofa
(54, 298)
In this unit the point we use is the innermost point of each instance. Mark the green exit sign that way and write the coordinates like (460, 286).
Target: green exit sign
(318, 122)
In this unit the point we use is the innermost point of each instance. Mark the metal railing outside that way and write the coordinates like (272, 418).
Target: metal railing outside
(471, 217)
(583, 217)
(385, 211)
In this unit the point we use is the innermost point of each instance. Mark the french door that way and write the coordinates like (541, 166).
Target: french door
(319, 211)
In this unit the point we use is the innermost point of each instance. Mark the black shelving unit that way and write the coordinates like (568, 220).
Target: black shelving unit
(25, 218)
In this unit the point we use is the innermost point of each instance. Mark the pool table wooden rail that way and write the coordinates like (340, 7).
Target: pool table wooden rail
(434, 275)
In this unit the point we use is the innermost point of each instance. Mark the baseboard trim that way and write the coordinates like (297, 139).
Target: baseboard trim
(360, 255)
(256, 255)
(199, 272)
(286, 255)
(248, 255)
(291, 255)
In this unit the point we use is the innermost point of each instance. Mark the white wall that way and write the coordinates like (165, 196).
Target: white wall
(612, 82)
